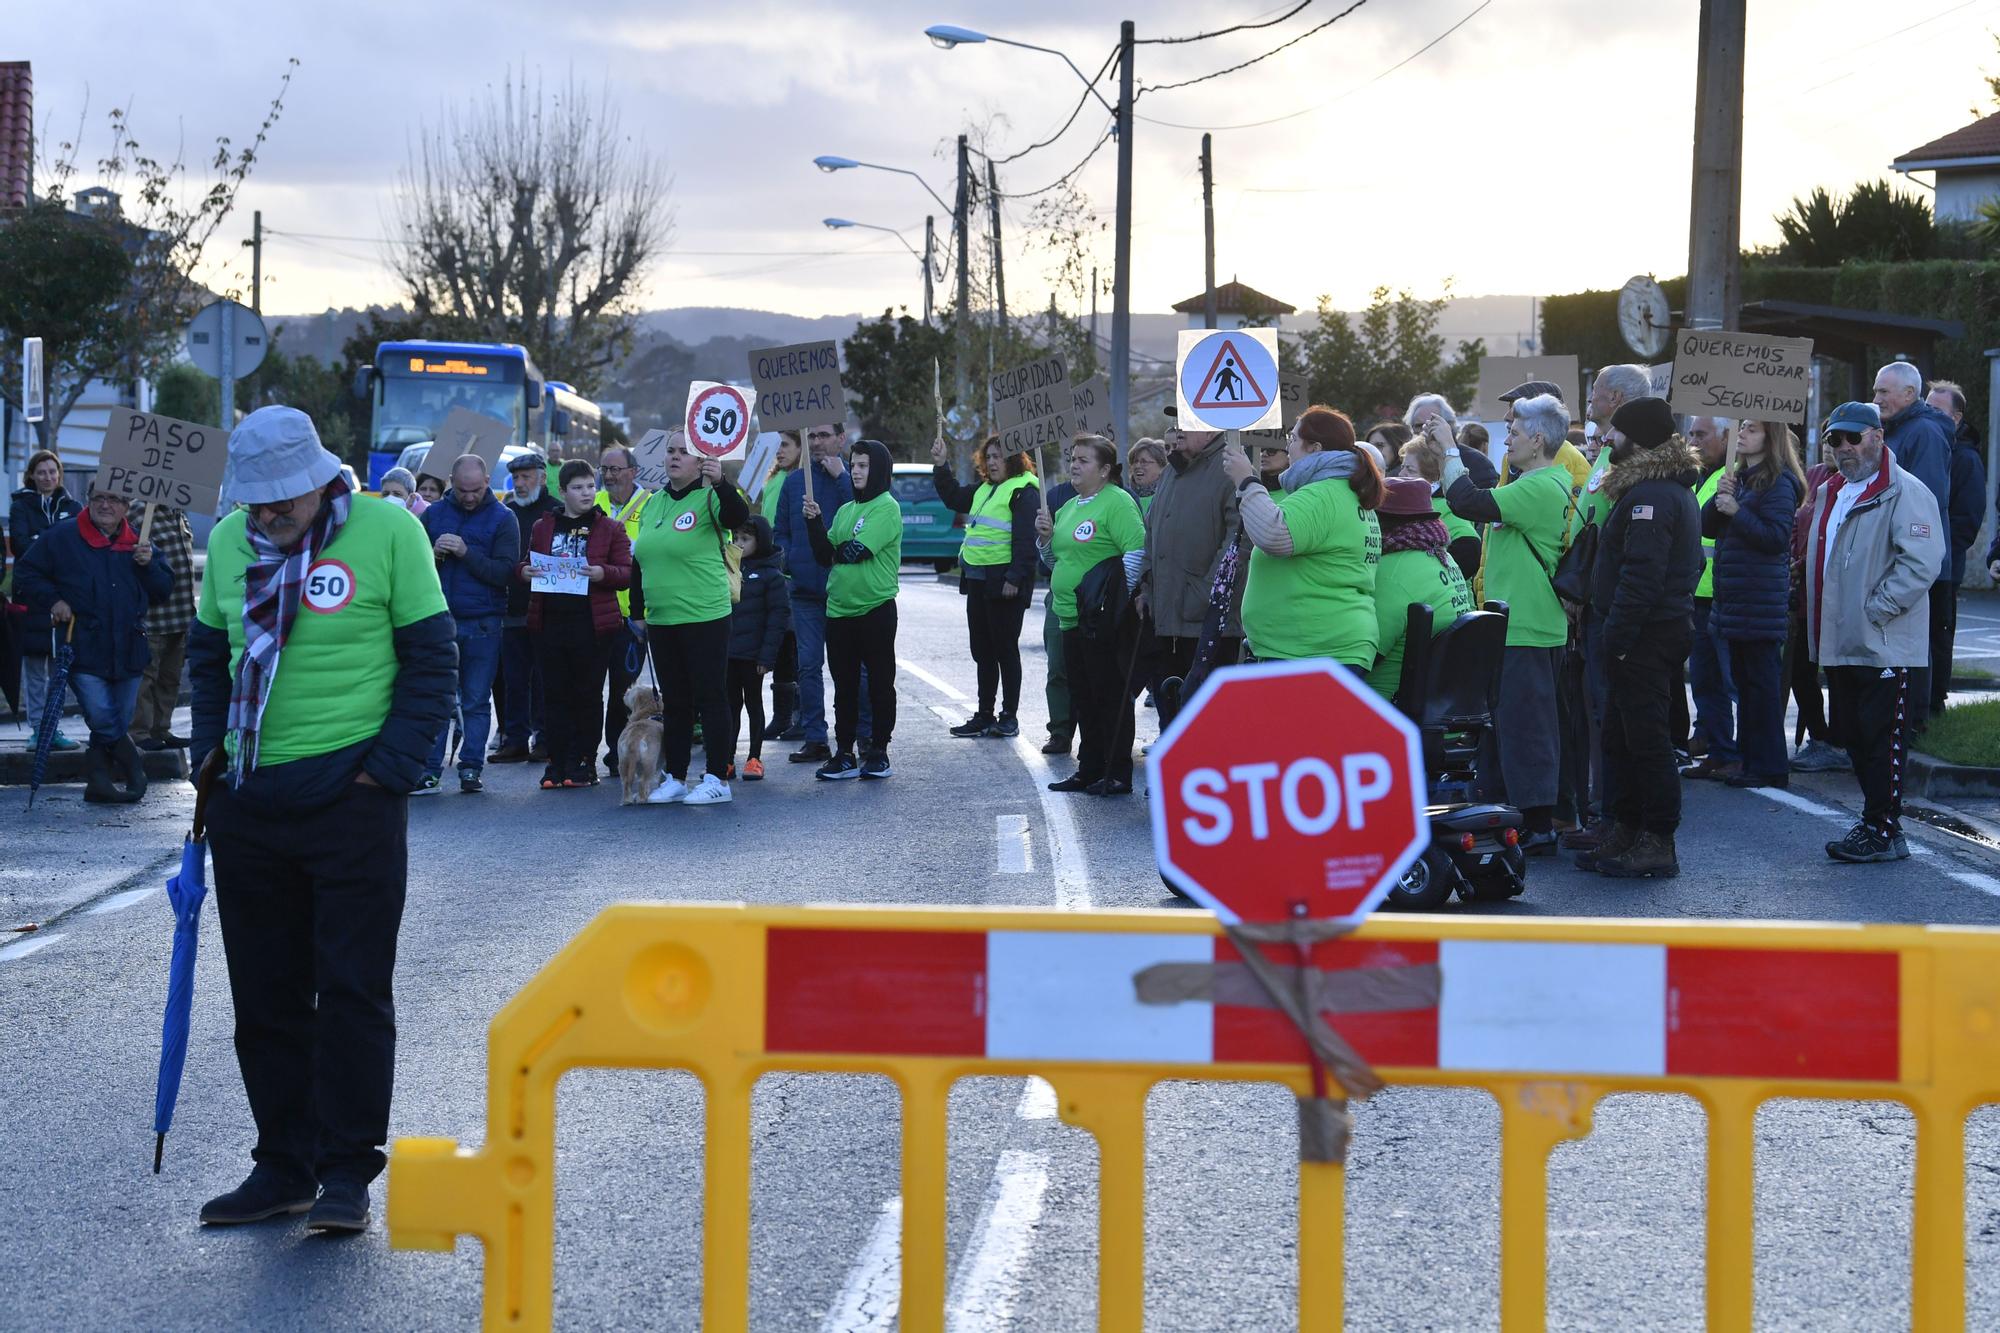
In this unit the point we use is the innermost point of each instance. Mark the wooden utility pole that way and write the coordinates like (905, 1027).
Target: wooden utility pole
(1208, 229)
(1715, 204)
(1121, 263)
(999, 264)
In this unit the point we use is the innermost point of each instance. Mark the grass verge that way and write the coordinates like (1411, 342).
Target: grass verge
(1966, 734)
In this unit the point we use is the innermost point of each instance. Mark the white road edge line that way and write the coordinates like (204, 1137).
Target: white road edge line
(988, 1284)
(1827, 812)
(1973, 879)
(1038, 1100)
(1010, 837)
(874, 1289)
(938, 683)
(118, 902)
(33, 944)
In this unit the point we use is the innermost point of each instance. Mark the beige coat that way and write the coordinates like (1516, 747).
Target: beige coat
(1867, 600)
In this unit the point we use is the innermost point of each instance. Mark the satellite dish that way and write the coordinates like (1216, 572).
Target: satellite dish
(1644, 317)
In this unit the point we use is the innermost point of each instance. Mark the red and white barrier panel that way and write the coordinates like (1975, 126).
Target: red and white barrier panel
(1506, 1006)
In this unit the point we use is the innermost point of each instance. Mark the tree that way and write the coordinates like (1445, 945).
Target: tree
(184, 393)
(104, 321)
(1872, 222)
(1395, 354)
(532, 219)
(888, 374)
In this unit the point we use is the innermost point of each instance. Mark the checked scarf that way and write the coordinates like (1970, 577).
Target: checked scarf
(1417, 534)
(272, 588)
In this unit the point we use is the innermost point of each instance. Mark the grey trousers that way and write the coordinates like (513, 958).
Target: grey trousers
(35, 688)
(1523, 751)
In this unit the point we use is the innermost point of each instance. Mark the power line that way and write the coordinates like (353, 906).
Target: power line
(1030, 194)
(1222, 32)
(1316, 28)
(1089, 91)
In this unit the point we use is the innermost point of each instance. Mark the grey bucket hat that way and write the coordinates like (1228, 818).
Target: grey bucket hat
(275, 454)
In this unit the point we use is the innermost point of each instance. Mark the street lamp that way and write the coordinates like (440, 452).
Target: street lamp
(924, 258)
(829, 163)
(946, 36)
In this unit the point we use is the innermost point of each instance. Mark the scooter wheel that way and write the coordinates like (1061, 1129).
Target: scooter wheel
(1426, 886)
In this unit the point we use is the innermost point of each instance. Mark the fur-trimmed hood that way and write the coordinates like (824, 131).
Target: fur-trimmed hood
(1675, 461)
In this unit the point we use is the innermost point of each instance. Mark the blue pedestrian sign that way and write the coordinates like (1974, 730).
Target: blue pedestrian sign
(1228, 379)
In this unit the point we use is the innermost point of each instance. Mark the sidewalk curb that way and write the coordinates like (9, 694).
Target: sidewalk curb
(71, 766)
(1933, 777)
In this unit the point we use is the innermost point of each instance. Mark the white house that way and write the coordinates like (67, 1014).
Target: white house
(1967, 163)
(1235, 305)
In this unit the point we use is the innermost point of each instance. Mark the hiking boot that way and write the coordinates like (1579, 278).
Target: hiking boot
(837, 768)
(1865, 843)
(975, 725)
(1616, 841)
(1057, 743)
(753, 770)
(1708, 766)
(266, 1193)
(877, 766)
(812, 752)
(1820, 757)
(342, 1208)
(1586, 839)
(711, 790)
(1004, 727)
(511, 753)
(1651, 856)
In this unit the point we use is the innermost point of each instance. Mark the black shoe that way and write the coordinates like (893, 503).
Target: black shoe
(837, 768)
(173, 742)
(538, 753)
(509, 754)
(1781, 782)
(1057, 743)
(265, 1194)
(342, 1208)
(610, 765)
(1865, 843)
(1004, 726)
(1539, 844)
(469, 783)
(812, 752)
(795, 732)
(877, 766)
(975, 725)
(1110, 787)
(151, 746)
(1074, 782)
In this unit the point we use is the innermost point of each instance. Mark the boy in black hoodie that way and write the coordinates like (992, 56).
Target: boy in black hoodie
(758, 624)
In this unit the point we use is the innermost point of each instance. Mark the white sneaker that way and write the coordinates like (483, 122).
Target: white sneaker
(712, 790)
(671, 791)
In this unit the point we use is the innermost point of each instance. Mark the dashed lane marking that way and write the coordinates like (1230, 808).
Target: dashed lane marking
(1010, 836)
(26, 947)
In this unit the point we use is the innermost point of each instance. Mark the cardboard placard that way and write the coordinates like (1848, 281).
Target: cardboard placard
(1742, 376)
(798, 386)
(1033, 405)
(1497, 374)
(157, 460)
(567, 575)
(1093, 406)
(757, 464)
(649, 456)
(465, 431)
(1662, 383)
(1292, 395)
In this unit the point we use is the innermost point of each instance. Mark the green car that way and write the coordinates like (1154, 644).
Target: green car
(930, 530)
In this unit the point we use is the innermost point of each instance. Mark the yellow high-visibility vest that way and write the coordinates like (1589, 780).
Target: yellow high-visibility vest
(989, 531)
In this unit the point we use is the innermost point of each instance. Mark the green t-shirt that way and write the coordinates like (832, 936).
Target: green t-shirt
(679, 553)
(855, 590)
(337, 670)
(1705, 587)
(1405, 579)
(1521, 554)
(1590, 506)
(1454, 526)
(1320, 600)
(1085, 531)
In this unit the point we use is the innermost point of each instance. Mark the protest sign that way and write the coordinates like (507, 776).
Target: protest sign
(466, 432)
(1661, 381)
(1497, 374)
(158, 460)
(718, 419)
(649, 456)
(1291, 402)
(798, 386)
(1743, 376)
(756, 472)
(566, 574)
(1093, 406)
(1033, 405)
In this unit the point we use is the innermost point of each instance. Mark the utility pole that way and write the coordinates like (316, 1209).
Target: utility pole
(1093, 312)
(256, 244)
(1121, 265)
(962, 219)
(930, 247)
(1715, 222)
(999, 264)
(1208, 229)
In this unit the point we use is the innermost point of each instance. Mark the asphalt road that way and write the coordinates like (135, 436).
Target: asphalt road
(90, 1239)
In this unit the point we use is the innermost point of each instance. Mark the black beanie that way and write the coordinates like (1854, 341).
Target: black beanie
(1647, 422)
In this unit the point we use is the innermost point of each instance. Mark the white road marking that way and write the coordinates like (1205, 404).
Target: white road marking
(938, 683)
(874, 1289)
(33, 944)
(988, 1283)
(951, 715)
(118, 902)
(1010, 835)
(1826, 812)
(1973, 879)
(1066, 858)
(1038, 1099)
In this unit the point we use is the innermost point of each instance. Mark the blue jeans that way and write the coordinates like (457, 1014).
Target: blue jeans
(520, 689)
(107, 705)
(809, 627)
(478, 659)
(1714, 691)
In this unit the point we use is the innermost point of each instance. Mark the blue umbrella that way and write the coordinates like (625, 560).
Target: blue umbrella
(185, 892)
(45, 734)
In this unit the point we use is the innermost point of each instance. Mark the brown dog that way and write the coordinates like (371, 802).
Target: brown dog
(639, 746)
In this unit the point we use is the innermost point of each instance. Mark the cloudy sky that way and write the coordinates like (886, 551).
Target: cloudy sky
(1540, 148)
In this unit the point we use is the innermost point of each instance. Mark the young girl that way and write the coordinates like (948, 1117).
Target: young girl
(863, 549)
(757, 628)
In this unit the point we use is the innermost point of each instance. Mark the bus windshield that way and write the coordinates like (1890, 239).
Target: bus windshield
(410, 410)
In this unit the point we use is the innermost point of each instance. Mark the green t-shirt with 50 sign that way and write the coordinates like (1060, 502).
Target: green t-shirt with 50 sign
(1085, 531)
(679, 553)
(855, 590)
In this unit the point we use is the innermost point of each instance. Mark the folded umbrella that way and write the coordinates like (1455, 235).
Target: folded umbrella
(185, 892)
(45, 731)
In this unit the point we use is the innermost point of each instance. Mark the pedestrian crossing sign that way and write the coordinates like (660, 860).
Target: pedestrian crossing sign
(1227, 379)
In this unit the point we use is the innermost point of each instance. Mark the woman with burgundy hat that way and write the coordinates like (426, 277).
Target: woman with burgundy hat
(1416, 569)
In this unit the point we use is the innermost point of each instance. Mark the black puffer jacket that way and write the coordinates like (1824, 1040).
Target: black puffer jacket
(1649, 553)
(1753, 561)
(28, 517)
(758, 622)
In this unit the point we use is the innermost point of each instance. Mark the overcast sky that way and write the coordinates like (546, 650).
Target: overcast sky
(1543, 147)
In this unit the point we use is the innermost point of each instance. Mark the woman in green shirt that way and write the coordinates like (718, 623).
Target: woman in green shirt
(1529, 524)
(1416, 570)
(1095, 537)
(1311, 590)
(863, 550)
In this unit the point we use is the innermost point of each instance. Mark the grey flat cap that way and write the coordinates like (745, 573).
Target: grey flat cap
(275, 454)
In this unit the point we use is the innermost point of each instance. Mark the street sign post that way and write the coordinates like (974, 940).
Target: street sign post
(1287, 791)
(1227, 379)
(718, 419)
(226, 339)
(34, 380)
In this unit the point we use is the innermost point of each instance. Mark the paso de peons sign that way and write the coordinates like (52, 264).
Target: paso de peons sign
(1287, 790)
(149, 458)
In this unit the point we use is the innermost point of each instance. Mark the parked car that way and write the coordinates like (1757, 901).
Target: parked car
(930, 530)
(413, 458)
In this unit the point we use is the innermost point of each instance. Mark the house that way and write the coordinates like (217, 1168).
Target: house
(1967, 163)
(1235, 306)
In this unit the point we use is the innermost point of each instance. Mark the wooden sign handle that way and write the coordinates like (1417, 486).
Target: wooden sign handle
(1041, 469)
(146, 522)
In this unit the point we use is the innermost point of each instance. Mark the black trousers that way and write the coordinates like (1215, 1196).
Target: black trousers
(1102, 704)
(1758, 669)
(1573, 726)
(1641, 779)
(1175, 657)
(746, 695)
(1871, 707)
(855, 643)
(1926, 681)
(572, 660)
(693, 663)
(310, 908)
(1944, 637)
(1803, 673)
(993, 623)
(619, 650)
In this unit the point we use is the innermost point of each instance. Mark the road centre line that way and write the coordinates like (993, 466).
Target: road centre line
(874, 1288)
(118, 902)
(988, 1284)
(1010, 836)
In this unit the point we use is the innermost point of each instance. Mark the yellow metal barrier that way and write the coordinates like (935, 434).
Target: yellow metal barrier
(1732, 1015)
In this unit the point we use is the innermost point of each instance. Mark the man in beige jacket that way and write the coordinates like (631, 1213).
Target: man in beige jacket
(1874, 549)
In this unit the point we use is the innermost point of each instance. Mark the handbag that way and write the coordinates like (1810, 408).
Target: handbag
(732, 554)
(1571, 576)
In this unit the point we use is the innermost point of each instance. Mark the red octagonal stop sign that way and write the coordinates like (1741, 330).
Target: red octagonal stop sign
(1285, 784)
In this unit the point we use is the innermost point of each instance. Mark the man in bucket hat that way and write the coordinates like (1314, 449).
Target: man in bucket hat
(324, 670)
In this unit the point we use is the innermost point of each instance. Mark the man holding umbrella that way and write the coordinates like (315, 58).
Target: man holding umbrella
(309, 831)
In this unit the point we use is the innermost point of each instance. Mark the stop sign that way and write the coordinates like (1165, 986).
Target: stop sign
(1287, 790)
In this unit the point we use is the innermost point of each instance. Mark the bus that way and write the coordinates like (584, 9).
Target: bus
(572, 426)
(413, 385)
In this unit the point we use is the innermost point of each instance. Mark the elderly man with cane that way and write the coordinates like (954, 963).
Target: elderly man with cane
(324, 666)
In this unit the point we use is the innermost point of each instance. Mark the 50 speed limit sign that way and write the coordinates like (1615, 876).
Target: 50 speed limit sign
(718, 419)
